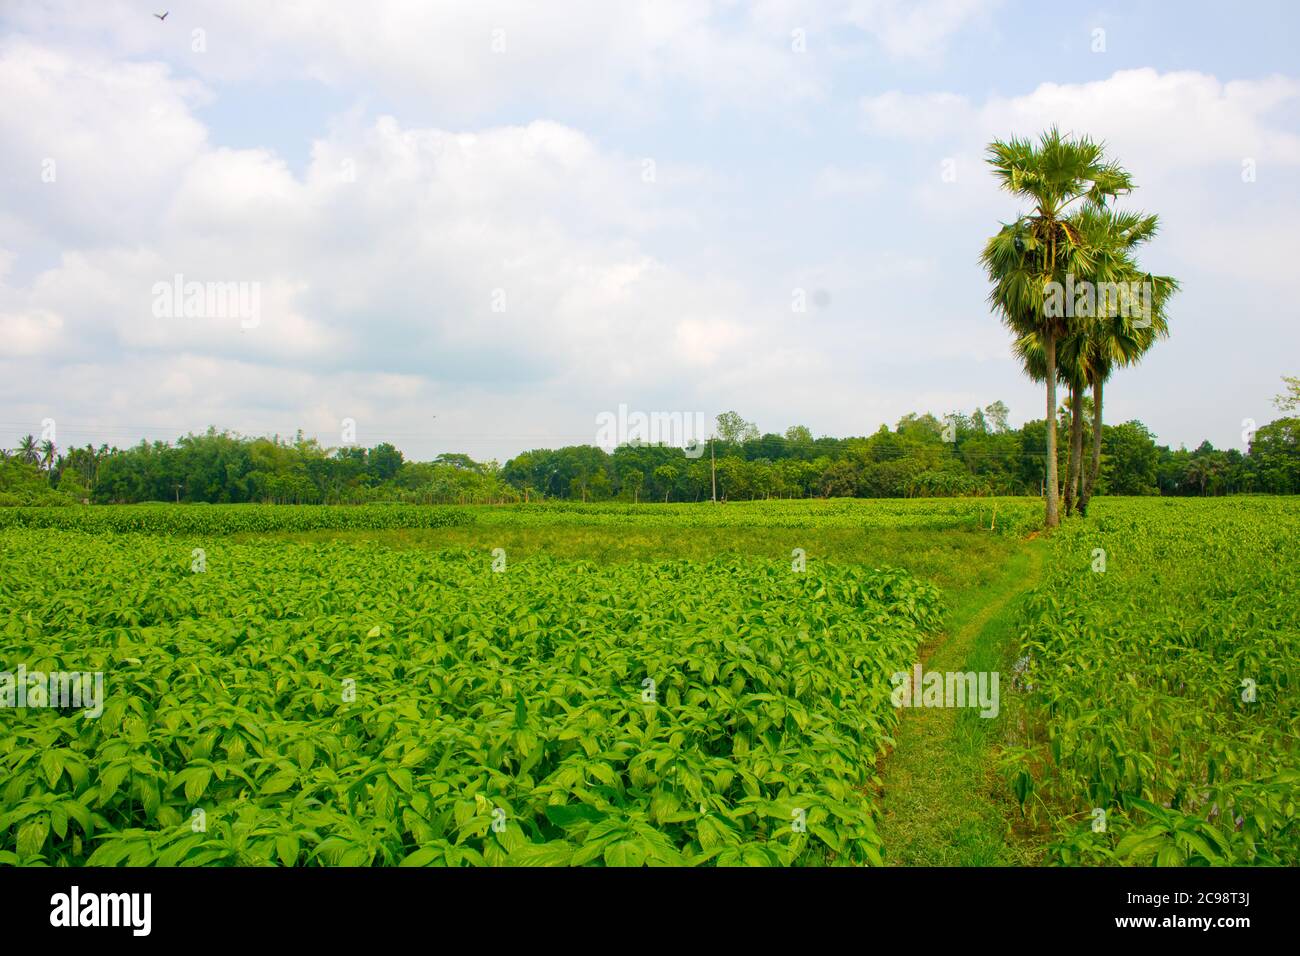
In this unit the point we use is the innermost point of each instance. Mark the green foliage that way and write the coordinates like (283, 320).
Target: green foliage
(517, 698)
(22, 483)
(1013, 515)
(733, 429)
(962, 455)
(1139, 680)
(225, 468)
(231, 519)
(1130, 459)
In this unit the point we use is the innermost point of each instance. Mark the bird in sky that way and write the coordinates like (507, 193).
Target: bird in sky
(162, 16)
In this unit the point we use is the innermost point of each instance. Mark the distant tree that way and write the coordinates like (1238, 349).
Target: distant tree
(1289, 400)
(456, 461)
(29, 451)
(996, 416)
(922, 427)
(384, 461)
(734, 430)
(666, 476)
(1131, 456)
(799, 435)
(633, 479)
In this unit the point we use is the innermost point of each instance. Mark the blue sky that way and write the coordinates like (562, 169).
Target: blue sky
(475, 227)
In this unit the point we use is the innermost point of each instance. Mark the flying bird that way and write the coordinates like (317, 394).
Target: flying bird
(162, 16)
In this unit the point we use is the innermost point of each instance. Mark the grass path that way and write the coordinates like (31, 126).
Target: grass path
(943, 802)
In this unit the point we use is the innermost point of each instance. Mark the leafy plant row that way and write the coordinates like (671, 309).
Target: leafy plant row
(348, 705)
(233, 519)
(1163, 724)
(1012, 515)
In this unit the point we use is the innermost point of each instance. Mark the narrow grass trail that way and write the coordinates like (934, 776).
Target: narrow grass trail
(944, 803)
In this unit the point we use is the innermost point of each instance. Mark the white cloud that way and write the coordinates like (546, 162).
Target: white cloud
(1159, 120)
(909, 29)
(705, 341)
(465, 57)
(916, 116)
(32, 333)
(93, 144)
(401, 263)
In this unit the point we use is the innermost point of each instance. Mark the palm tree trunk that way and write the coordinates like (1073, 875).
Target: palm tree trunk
(1053, 517)
(1074, 477)
(1071, 462)
(1094, 467)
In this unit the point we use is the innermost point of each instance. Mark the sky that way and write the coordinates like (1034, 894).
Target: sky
(480, 226)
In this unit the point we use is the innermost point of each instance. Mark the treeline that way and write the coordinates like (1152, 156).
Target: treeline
(922, 456)
(224, 468)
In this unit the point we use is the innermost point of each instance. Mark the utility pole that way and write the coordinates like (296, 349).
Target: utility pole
(713, 467)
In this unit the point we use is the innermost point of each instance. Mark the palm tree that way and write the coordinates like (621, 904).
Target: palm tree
(1109, 237)
(1198, 472)
(1116, 337)
(1113, 338)
(29, 451)
(1040, 246)
(48, 455)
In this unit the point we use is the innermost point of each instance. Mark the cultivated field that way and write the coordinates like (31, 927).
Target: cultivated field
(680, 684)
(1162, 689)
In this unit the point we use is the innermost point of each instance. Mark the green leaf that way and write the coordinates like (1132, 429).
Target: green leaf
(286, 847)
(197, 783)
(31, 836)
(625, 853)
(278, 783)
(555, 853)
(424, 856)
(573, 814)
(111, 780)
(52, 766)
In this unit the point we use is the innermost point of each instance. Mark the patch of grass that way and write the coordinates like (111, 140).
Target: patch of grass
(954, 560)
(944, 802)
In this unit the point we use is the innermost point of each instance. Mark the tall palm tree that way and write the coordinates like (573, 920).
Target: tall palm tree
(48, 455)
(29, 451)
(1116, 337)
(1113, 337)
(1040, 246)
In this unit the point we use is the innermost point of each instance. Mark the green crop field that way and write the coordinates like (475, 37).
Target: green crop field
(660, 685)
(1162, 656)
(213, 520)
